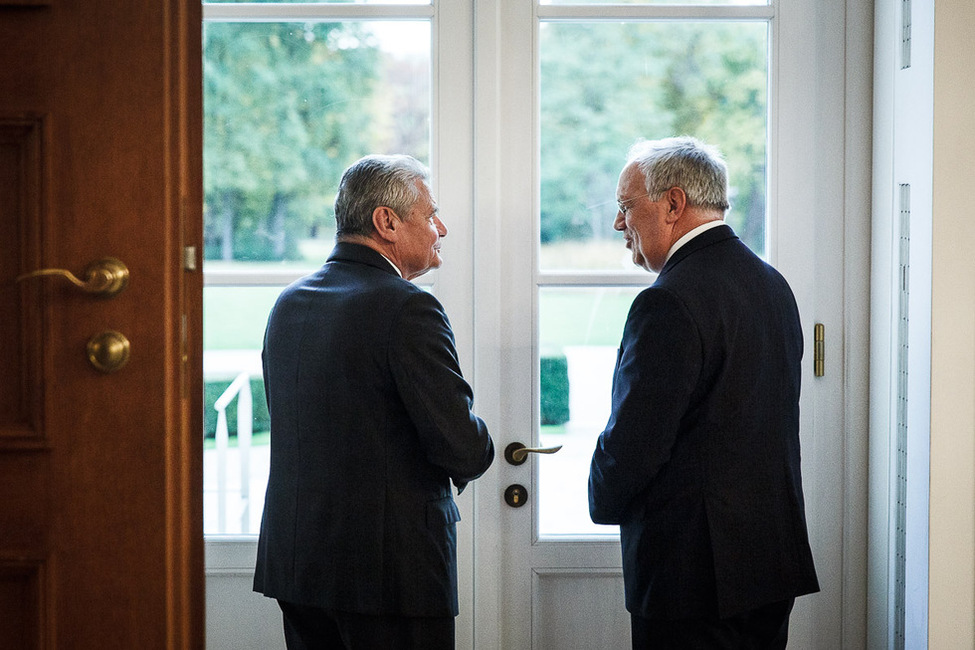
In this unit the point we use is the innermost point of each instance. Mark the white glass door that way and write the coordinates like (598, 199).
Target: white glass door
(574, 85)
(524, 110)
(293, 94)
(290, 100)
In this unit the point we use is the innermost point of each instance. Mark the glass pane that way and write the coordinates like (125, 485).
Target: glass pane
(287, 107)
(606, 85)
(579, 333)
(234, 474)
(363, 2)
(654, 2)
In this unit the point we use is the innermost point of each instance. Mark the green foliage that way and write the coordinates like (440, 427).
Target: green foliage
(286, 108)
(606, 85)
(717, 90)
(554, 377)
(212, 390)
(554, 390)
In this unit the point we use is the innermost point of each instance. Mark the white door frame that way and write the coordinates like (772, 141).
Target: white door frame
(823, 179)
(480, 87)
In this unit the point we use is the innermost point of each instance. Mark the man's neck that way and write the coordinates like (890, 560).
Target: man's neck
(370, 242)
(699, 226)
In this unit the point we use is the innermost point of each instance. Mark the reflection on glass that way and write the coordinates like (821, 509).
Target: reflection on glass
(650, 80)
(287, 107)
(235, 472)
(579, 334)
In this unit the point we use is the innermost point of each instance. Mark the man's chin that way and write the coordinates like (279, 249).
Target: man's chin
(435, 264)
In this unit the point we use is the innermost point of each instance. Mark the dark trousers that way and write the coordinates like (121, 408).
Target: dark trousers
(765, 628)
(314, 628)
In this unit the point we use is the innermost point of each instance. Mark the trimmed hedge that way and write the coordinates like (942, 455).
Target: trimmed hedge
(554, 389)
(554, 397)
(212, 390)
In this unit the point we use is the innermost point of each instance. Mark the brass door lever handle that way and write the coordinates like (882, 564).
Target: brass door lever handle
(105, 277)
(516, 453)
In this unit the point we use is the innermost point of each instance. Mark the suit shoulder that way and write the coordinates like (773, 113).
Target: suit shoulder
(660, 291)
(366, 278)
(662, 300)
(417, 303)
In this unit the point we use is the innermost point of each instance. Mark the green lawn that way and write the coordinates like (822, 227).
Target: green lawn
(577, 316)
(234, 317)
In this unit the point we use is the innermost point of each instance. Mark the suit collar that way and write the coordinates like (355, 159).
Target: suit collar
(360, 254)
(705, 239)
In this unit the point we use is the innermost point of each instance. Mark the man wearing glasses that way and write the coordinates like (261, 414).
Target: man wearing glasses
(699, 462)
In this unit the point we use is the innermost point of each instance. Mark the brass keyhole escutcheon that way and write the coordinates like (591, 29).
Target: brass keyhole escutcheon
(108, 351)
(516, 495)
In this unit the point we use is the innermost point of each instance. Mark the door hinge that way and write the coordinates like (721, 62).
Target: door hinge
(819, 350)
(189, 258)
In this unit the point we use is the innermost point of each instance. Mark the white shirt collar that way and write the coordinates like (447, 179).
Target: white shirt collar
(398, 272)
(691, 234)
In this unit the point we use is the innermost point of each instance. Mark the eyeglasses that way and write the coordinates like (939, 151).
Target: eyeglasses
(623, 208)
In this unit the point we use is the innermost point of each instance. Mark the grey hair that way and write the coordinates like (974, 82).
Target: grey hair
(375, 181)
(684, 162)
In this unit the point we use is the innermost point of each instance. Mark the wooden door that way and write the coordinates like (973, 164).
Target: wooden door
(100, 473)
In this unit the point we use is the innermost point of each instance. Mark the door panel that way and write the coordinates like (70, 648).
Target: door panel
(100, 518)
(560, 594)
(784, 209)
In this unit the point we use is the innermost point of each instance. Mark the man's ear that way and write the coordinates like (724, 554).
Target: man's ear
(676, 203)
(386, 223)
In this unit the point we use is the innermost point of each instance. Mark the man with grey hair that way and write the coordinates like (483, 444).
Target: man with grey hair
(371, 420)
(699, 463)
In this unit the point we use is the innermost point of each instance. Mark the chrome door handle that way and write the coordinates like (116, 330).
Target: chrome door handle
(105, 277)
(517, 453)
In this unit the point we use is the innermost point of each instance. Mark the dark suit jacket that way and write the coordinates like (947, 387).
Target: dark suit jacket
(699, 462)
(370, 421)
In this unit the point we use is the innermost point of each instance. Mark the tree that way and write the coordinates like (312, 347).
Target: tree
(606, 84)
(716, 88)
(286, 108)
(588, 120)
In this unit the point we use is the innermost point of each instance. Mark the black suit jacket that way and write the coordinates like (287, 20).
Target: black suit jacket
(370, 420)
(699, 462)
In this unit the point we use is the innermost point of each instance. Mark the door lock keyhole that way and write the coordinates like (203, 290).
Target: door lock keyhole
(516, 495)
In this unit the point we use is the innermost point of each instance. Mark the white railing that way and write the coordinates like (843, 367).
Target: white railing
(241, 389)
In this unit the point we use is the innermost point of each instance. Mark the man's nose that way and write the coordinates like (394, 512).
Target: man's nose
(619, 223)
(441, 228)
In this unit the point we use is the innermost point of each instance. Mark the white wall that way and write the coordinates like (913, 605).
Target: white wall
(952, 509)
